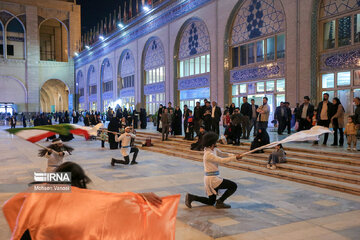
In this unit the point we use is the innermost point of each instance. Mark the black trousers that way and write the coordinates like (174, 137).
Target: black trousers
(304, 124)
(230, 187)
(215, 126)
(127, 158)
(341, 131)
(324, 123)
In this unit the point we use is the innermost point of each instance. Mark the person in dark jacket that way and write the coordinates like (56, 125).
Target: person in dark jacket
(113, 126)
(215, 117)
(236, 120)
(185, 118)
(197, 118)
(246, 111)
(198, 146)
(232, 108)
(143, 121)
(304, 114)
(24, 120)
(324, 115)
(254, 115)
(159, 113)
(280, 117)
(261, 139)
(177, 121)
(288, 117)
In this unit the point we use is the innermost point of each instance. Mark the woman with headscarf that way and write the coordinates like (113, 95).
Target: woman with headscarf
(159, 113)
(232, 108)
(177, 121)
(338, 122)
(261, 139)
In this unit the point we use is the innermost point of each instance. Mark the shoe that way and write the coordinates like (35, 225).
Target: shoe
(354, 149)
(273, 167)
(324, 144)
(133, 162)
(341, 145)
(349, 148)
(333, 145)
(188, 200)
(220, 205)
(112, 162)
(268, 166)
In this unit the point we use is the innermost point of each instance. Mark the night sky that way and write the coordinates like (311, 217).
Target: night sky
(93, 11)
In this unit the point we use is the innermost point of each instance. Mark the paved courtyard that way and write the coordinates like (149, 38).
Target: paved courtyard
(262, 207)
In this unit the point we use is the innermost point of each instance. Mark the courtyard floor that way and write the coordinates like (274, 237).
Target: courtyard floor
(262, 207)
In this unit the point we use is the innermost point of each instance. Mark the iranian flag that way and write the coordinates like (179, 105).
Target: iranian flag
(35, 134)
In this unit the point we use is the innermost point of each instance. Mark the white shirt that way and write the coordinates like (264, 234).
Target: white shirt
(125, 140)
(304, 111)
(213, 111)
(54, 160)
(211, 161)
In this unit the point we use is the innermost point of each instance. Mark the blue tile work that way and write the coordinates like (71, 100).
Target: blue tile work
(194, 40)
(197, 82)
(127, 64)
(341, 60)
(266, 71)
(175, 11)
(154, 88)
(127, 92)
(329, 8)
(155, 54)
(257, 18)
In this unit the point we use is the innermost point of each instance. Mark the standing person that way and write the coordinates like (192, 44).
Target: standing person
(215, 118)
(236, 120)
(232, 108)
(13, 121)
(119, 113)
(207, 120)
(197, 118)
(288, 117)
(263, 117)
(189, 134)
(126, 148)
(159, 113)
(280, 113)
(143, 122)
(24, 120)
(213, 183)
(169, 107)
(324, 114)
(165, 122)
(254, 115)
(171, 120)
(357, 114)
(350, 132)
(304, 114)
(87, 120)
(246, 111)
(113, 126)
(337, 121)
(55, 159)
(74, 117)
(177, 121)
(185, 118)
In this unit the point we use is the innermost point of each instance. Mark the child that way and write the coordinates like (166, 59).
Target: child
(277, 156)
(189, 134)
(313, 120)
(212, 158)
(350, 132)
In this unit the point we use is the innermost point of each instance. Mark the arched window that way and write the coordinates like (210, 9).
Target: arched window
(257, 50)
(106, 84)
(193, 69)
(53, 41)
(339, 51)
(15, 39)
(126, 80)
(154, 67)
(80, 90)
(1, 40)
(92, 88)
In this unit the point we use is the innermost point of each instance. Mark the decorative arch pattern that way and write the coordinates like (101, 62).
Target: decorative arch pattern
(106, 71)
(333, 7)
(127, 64)
(155, 54)
(257, 18)
(194, 39)
(91, 77)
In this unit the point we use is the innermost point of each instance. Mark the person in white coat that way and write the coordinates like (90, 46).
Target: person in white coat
(55, 154)
(126, 148)
(212, 181)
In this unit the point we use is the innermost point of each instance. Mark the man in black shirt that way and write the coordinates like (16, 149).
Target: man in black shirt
(197, 118)
(246, 111)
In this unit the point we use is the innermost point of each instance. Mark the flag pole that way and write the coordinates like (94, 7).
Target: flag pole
(50, 150)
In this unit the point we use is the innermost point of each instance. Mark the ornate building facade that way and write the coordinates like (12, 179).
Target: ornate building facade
(186, 51)
(37, 43)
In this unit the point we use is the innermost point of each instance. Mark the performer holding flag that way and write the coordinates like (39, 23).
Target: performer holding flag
(55, 154)
(126, 147)
(212, 181)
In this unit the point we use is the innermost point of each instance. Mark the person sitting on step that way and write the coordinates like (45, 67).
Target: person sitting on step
(277, 156)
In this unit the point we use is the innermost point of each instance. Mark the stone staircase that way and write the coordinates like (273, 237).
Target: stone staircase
(338, 171)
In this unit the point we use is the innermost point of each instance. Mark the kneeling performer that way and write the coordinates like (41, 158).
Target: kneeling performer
(126, 147)
(212, 158)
